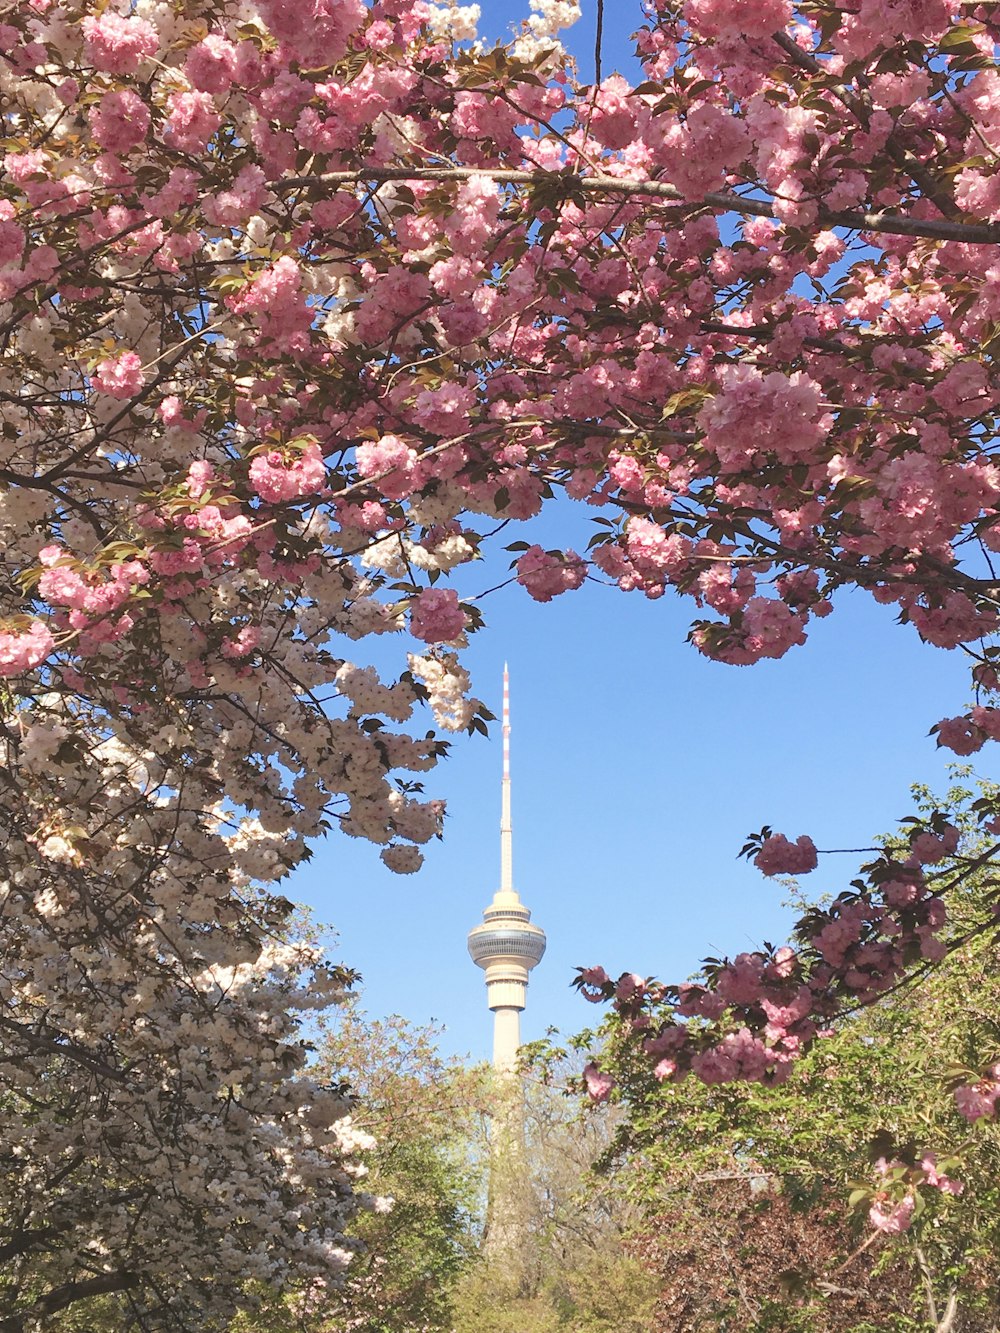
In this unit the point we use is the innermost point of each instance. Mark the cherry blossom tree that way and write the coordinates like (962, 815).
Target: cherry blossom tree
(747, 1186)
(299, 306)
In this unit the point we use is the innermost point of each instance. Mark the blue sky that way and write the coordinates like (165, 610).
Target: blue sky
(638, 769)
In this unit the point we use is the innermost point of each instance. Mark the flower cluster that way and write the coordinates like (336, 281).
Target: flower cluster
(778, 856)
(277, 478)
(755, 1014)
(546, 574)
(977, 1101)
(897, 1200)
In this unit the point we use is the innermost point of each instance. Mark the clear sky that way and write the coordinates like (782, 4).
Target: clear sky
(638, 769)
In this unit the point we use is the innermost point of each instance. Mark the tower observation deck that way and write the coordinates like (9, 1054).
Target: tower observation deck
(506, 945)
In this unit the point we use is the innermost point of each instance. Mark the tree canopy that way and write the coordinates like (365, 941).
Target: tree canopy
(746, 1186)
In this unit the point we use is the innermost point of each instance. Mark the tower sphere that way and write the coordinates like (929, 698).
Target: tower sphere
(506, 935)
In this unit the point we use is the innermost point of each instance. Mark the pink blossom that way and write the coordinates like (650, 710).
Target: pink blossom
(242, 643)
(740, 981)
(171, 409)
(390, 461)
(120, 376)
(200, 476)
(22, 167)
(977, 1101)
(118, 43)
(756, 416)
(120, 121)
(782, 1017)
(929, 849)
(191, 122)
(317, 32)
(592, 980)
(959, 734)
(988, 721)
(180, 190)
(436, 615)
(473, 221)
(953, 619)
(649, 547)
(901, 893)
(276, 298)
(62, 586)
(277, 477)
(697, 154)
(740, 1055)
(479, 117)
(667, 1042)
(613, 118)
(629, 986)
(784, 962)
(546, 574)
(892, 1219)
(778, 856)
(697, 1000)
(598, 1084)
(390, 302)
(11, 235)
(738, 19)
(19, 652)
(937, 1179)
(211, 64)
(765, 628)
(233, 206)
(445, 410)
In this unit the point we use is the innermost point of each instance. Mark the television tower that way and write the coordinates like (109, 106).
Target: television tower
(506, 946)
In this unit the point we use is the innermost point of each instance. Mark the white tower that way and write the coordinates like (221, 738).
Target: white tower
(506, 945)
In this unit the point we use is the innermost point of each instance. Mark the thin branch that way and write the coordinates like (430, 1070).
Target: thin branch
(895, 224)
(598, 41)
(67, 1049)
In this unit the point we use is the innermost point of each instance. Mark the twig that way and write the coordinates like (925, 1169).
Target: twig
(598, 39)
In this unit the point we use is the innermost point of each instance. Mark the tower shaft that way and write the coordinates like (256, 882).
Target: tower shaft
(506, 1038)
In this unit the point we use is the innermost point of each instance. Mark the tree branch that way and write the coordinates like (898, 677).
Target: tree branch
(61, 1297)
(902, 157)
(68, 1050)
(947, 1323)
(928, 1286)
(895, 224)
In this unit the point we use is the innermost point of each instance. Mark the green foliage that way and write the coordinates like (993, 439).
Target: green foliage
(574, 1272)
(420, 1109)
(591, 1290)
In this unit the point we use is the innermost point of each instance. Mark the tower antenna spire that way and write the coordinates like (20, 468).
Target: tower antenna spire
(506, 945)
(506, 827)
